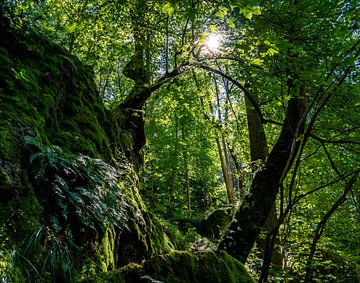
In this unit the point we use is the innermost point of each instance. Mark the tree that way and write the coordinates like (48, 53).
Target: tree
(290, 69)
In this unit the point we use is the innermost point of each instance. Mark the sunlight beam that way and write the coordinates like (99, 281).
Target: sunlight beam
(213, 42)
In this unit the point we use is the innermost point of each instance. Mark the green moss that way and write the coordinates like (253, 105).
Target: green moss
(216, 222)
(43, 86)
(107, 249)
(182, 267)
(5, 64)
(9, 149)
(46, 93)
(19, 218)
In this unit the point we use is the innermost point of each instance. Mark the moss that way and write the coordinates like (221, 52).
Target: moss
(5, 65)
(181, 267)
(19, 218)
(42, 86)
(10, 156)
(145, 236)
(46, 93)
(216, 222)
(107, 249)
(9, 149)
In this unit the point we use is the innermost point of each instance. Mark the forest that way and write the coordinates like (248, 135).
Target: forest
(179, 141)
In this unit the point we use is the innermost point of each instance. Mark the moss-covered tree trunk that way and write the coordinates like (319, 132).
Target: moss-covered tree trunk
(259, 152)
(251, 216)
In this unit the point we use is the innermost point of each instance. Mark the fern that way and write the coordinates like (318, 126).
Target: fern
(75, 188)
(79, 184)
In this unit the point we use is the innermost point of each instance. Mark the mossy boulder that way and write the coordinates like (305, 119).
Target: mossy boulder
(216, 222)
(181, 267)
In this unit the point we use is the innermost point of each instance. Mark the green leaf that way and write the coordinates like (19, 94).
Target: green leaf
(71, 28)
(212, 28)
(248, 15)
(223, 11)
(231, 23)
(169, 9)
(272, 51)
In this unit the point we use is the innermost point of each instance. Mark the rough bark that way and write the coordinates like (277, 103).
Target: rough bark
(223, 152)
(251, 216)
(259, 151)
(258, 143)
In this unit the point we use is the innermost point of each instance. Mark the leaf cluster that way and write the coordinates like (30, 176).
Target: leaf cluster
(80, 187)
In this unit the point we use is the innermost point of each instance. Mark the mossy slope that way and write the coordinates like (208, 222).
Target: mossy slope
(49, 97)
(62, 173)
(181, 267)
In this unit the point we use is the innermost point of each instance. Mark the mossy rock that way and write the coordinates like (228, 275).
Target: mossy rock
(212, 225)
(47, 89)
(19, 218)
(216, 222)
(181, 267)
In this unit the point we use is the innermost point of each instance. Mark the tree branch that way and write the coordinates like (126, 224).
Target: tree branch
(235, 82)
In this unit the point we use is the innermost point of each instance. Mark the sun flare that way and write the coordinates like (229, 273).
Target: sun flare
(213, 42)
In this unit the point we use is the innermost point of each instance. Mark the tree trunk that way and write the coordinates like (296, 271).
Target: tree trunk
(259, 152)
(223, 153)
(251, 216)
(258, 143)
(174, 169)
(229, 191)
(136, 69)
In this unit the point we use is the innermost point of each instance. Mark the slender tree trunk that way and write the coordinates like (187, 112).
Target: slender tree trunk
(231, 150)
(227, 154)
(229, 192)
(187, 181)
(239, 171)
(223, 152)
(186, 170)
(187, 184)
(173, 174)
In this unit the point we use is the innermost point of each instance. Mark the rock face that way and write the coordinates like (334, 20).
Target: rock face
(63, 190)
(69, 203)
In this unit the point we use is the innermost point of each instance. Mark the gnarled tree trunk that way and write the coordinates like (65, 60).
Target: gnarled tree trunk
(251, 216)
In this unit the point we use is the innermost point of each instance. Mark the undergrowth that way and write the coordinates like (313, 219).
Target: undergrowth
(83, 195)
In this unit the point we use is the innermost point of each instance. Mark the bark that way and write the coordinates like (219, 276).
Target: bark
(258, 143)
(174, 169)
(138, 69)
(186, 173)
(230, 187)
(259, 151)
(223, 152)
(229, 190)
(251, 216)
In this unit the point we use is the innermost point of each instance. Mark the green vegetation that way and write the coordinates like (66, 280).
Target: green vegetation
(204, 266)
(179, 141)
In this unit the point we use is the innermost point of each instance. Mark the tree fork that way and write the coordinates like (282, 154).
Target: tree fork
(251, 216)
